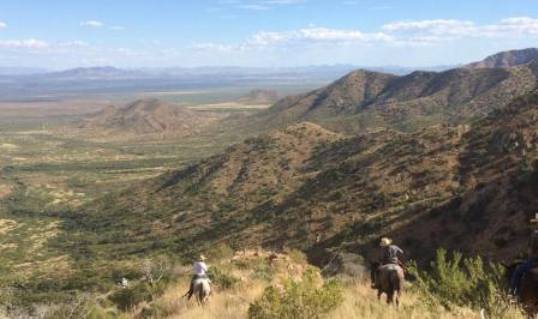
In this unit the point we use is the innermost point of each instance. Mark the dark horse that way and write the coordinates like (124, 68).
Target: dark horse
(528, 292)
(388, 279)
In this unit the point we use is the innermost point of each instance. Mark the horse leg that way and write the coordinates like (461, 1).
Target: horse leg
(390, 297)
(397, 298)
(379, 293)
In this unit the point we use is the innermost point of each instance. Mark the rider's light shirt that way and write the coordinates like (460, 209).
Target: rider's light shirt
(200, 268)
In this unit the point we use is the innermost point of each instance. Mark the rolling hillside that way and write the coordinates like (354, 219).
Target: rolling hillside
(364, 101)
(468, 187)
(147, 116)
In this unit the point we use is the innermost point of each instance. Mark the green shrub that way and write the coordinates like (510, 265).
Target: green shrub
(221, 279)
(302, 299)
(263, 271)
(127, 298)
(465, 282)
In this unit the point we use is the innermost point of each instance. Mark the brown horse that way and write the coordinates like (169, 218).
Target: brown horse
(528, 292)
(388, 279)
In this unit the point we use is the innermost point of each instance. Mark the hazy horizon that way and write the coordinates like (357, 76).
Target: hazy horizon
(224, 66)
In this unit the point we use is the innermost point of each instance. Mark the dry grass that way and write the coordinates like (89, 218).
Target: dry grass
(224, 305)
(360, 301)
(7, 225)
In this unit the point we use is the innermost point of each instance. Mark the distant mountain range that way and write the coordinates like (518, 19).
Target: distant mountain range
(100, 72)
(19, 84)
(82, 82)
(30, 83)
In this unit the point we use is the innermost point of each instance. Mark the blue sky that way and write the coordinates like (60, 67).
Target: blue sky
(159, 33)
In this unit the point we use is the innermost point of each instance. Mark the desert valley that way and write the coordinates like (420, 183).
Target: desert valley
(134, 183)
(268, 159)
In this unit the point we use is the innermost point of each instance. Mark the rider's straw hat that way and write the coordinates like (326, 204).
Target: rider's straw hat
(202, 258)
(385, 241)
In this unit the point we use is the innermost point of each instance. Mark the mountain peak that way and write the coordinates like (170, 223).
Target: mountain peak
(506, 59)
(148, 116)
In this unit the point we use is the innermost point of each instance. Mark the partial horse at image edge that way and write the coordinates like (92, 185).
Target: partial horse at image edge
(528, 293)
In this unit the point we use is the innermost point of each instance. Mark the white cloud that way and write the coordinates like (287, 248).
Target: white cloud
(514, 26)
(410, 33)
(24, 44)
(212, 47)
(430, 41)
(450, 29)
(3, 25)
(326, 34)
(308, 36)
(313, 34)
(92, 24)
(35, 45)
(439, 26)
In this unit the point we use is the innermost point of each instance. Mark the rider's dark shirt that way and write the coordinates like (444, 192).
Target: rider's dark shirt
(390, 254)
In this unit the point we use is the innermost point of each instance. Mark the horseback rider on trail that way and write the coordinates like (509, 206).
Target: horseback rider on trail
(388, 276)
(526, 266)
(199, 272)
(390, 252)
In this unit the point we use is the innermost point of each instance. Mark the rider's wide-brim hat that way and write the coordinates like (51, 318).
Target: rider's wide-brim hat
(202, 257)
(385, 242)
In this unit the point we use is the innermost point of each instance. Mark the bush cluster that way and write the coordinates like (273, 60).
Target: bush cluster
(300, 299)
(463, 282)
(221, 279)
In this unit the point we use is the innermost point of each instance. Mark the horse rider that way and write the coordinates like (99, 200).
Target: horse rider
(199, 272)
(390, 252)
(526, 266)
(389, 258)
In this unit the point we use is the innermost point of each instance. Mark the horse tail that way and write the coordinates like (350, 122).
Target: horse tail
(396, 280)
(201, 292)
(400, 278)
(392, 282)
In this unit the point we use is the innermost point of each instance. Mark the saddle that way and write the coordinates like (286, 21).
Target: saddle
(197, 277)
(399, 263)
